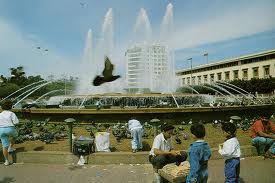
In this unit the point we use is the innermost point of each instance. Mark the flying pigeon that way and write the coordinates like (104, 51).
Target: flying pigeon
(107, 74)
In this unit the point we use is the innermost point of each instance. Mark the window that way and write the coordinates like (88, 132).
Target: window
(199, 80)
(227, 75)
(188, 80)
(183, 81)
(245, 74)
(256, 72)
(266, 71)
(236, 74)
(193, 80)
(219, 76)
(211, 78)
(205, 78)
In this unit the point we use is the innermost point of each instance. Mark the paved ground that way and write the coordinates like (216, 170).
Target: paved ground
(253, 170)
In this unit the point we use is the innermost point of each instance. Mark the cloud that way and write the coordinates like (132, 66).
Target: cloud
(233, 23)
(17, 48)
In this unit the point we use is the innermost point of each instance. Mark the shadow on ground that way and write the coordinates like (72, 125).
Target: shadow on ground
(7, 180)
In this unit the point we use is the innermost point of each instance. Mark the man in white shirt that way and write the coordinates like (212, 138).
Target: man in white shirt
(136, 130)
(162, 154)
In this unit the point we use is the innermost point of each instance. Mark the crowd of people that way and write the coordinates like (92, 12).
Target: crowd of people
(162, 152)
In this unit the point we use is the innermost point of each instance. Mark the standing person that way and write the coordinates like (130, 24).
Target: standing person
(231, 151)
(136, 131)
(162, 154)
(98, 104)
(8, 133)
(199, 154)
(262, 134)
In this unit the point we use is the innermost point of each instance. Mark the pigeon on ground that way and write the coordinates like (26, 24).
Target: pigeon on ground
(107, 74)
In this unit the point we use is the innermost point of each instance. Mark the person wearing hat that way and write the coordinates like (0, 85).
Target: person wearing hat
(262, 134)
(8, 133)
(162, 152)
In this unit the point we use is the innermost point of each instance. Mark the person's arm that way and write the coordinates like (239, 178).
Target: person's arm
(194, 166)
(14, 119)
(157, 151)
(263, 134)
(272, 127)
(227, 148)
(259, 129)
(160, 152)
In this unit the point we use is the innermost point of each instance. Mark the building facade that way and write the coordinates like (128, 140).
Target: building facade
(258, 65)
(148, 67)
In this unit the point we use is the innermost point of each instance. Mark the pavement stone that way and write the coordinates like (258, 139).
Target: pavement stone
(253, 170)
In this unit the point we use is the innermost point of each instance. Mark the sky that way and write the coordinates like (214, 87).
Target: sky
(224, 29)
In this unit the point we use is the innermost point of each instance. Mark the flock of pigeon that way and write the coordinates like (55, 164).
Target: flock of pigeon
(30, 131)
(48, 132)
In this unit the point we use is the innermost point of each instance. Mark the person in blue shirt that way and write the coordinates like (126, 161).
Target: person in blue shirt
(199, 154)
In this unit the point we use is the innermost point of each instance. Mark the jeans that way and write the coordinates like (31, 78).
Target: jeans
(137, 138)
(261, 143)
(6, 133)
(232, 170)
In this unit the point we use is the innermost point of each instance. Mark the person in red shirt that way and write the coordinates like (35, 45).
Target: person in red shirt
(262, 134)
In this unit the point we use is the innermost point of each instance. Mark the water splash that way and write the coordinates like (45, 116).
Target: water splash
(142, 28)
(87, 70)
(167, 26)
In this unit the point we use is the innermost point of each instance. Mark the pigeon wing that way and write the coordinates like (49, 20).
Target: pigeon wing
(108, 69)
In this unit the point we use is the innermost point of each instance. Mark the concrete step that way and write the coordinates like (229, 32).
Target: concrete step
(100, 158)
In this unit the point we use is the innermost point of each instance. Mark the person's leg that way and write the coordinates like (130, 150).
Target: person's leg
(260, 143)
(232, 170)
(237, 169)
(5, 144)
(13, 134)
(134, 140)
(159, 162)
(139, 138)
(272, 148)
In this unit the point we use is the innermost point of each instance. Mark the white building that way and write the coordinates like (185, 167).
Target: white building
(258, 65)
(149, 67)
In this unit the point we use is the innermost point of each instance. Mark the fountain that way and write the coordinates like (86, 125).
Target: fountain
(161, 100)
(93, 59)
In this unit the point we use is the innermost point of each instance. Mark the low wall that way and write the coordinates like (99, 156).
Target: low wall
(54, 157)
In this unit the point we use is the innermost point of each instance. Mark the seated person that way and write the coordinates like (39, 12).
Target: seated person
(162, 154)
(262, 134)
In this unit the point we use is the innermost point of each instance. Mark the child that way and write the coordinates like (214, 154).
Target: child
(199, 154)
(231, 151)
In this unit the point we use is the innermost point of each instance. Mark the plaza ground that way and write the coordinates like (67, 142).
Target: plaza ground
(253, 170)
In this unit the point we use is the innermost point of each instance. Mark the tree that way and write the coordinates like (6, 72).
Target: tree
(18, 76)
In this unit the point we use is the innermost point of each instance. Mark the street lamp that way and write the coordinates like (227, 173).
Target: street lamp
(206, 55)
(191, 70)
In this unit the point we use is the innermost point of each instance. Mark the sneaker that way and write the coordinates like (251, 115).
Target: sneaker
(134, 151)
(10, 149)
(7, 163)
